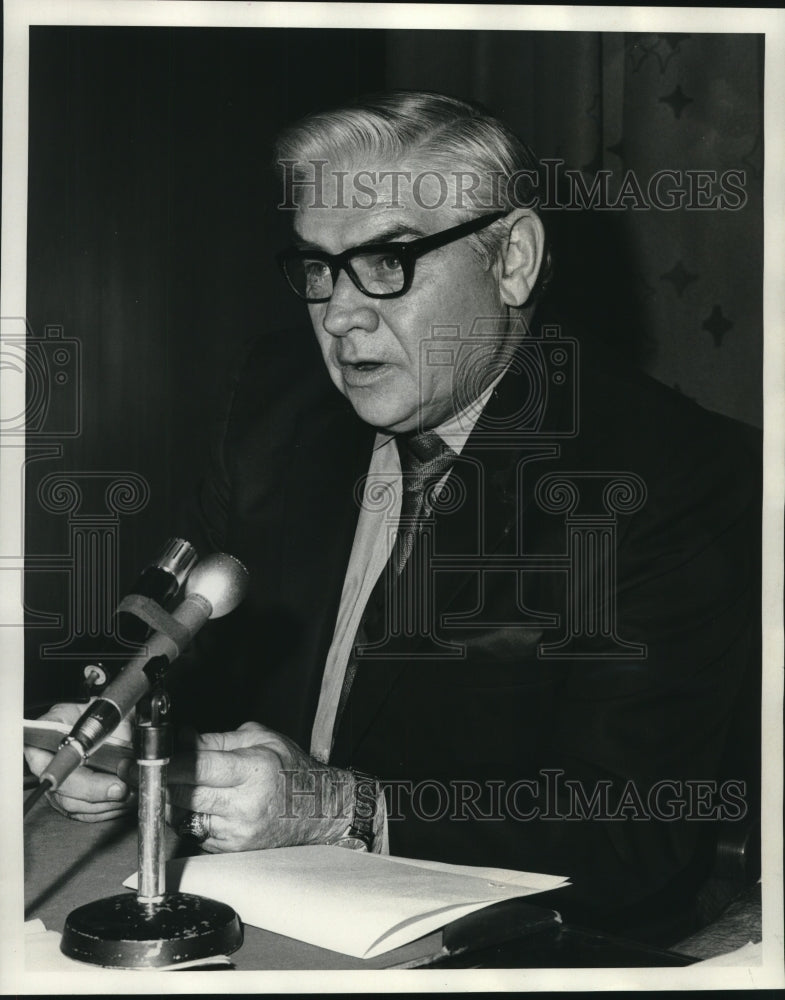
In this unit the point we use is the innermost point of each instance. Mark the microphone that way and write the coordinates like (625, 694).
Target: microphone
(214, 587)
(161, 581)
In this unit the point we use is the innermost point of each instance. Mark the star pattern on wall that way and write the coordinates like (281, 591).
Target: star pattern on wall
(677, 100)
(717, 325)
(660, 47)
(679, 277)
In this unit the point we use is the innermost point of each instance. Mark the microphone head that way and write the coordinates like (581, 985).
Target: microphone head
(177, 558)
(220, 579)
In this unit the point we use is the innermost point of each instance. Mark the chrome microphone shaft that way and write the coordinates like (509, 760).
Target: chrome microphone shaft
(152, 741)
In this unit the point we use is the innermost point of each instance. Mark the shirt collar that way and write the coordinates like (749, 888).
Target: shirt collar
(456, 430)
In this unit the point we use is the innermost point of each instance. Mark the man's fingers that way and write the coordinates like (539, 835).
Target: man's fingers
(215, 768)
(217, 826)
(222, 836)
(73, 807)
(87, 785)
(86, 794)
(206, 741)
(249, 734)
(222, 832)
(98, 817)
(65, 712)
(87, 811)
(201, 798)
(37, 759)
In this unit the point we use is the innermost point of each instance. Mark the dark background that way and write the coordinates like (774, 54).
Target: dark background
(152, 224)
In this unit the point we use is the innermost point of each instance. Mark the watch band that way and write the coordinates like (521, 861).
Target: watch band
(364, 814)
(360, 834)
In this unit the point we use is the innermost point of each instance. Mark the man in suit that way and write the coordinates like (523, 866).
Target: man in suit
(502, 587)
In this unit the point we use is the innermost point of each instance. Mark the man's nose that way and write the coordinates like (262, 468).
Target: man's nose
(348, 309)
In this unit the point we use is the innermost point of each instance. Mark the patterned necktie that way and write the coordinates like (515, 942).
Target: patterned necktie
(424, 460)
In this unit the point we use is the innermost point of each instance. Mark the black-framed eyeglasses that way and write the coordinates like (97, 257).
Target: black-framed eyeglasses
(379, 270)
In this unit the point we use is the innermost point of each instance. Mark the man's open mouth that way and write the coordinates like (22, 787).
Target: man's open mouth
(364, 373)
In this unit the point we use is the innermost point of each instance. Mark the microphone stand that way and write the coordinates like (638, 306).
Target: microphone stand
(153, 927)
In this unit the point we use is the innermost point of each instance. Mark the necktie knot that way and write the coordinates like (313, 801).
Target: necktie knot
(424, 460)
(424, 455)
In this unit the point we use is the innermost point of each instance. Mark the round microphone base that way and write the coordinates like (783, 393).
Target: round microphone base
(121, 932)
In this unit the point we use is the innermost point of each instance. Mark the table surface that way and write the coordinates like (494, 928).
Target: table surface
(68, 863)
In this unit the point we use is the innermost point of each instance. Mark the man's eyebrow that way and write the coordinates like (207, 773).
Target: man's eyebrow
(386, 235)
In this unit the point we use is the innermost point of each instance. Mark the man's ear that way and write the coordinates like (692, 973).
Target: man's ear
(520, 257)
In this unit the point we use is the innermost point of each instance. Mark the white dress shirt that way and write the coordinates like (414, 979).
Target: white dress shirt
(373, 541)
(374, 538)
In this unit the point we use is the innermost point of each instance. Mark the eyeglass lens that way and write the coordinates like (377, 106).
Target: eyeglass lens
(378, 273)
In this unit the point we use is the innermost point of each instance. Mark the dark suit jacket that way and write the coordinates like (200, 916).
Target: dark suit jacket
(642, 693)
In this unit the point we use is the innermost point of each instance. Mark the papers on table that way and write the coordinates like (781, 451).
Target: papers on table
(749, 954)
(42, 954)
(348, 901)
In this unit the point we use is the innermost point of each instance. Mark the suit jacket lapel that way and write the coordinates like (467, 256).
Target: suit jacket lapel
(486, 513)
(328, 457)
(320, 547)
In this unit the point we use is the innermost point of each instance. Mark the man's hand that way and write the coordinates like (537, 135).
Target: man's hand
(87, 795)
(259, 790)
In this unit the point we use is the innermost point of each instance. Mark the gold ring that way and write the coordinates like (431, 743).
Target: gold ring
(195, 826)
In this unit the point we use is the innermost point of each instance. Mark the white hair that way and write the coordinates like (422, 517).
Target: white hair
(434, 130)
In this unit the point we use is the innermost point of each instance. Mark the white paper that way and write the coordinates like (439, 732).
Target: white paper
(47, 734)
(33, 726)
(42, 950)
(348, 901)
(748, 954)
(42, 954)
(530, 880)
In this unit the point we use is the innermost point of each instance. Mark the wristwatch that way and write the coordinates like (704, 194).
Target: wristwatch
(359, 836)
